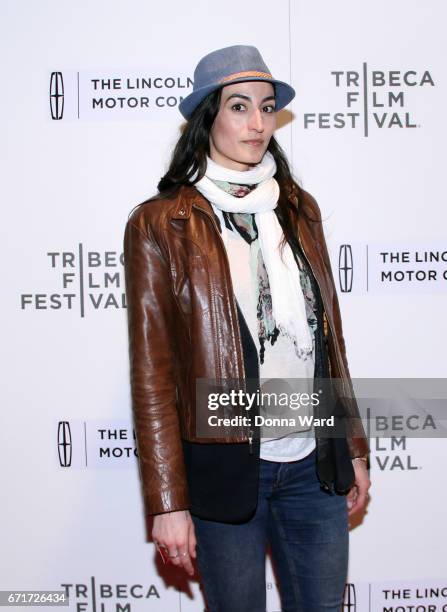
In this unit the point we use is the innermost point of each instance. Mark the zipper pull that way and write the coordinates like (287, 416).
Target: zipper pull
(250, 441)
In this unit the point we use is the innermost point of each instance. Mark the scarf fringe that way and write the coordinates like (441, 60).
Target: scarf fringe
(271, 336)
(303, 352)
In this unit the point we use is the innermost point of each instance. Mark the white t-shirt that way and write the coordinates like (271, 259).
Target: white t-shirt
(280, 359)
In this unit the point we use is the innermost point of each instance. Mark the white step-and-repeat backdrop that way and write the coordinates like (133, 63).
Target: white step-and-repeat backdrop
(89, 112)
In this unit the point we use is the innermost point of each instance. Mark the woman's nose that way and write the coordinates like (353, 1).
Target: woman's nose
(256, 121)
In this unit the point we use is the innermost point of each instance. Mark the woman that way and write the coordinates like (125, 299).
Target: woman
(211, 296)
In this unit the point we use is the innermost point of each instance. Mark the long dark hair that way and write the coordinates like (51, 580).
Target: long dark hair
(189, 156)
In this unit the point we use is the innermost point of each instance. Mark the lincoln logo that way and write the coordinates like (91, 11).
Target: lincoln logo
(56, 95)
(64, 443)
(345, 270)
(349, 603)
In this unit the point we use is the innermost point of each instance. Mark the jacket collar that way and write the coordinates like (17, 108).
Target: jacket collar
(187, 196)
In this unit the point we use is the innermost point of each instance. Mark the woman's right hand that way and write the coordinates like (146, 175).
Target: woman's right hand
(174, 533)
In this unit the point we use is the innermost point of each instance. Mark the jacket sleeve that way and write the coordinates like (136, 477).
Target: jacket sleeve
(357, 441)
(151, 309)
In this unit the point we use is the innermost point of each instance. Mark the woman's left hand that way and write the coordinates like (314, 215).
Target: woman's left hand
(358, 495)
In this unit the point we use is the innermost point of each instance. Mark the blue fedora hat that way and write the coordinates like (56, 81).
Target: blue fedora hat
(232, 65)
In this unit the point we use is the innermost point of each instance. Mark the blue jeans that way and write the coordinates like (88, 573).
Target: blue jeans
(307, 529)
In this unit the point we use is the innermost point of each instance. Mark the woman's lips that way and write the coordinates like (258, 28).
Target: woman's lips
(253, 143)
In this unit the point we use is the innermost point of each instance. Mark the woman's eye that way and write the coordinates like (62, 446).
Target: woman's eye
(237, 106)
(270, 108)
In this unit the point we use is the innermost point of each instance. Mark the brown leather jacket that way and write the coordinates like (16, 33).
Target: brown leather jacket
(183, 325)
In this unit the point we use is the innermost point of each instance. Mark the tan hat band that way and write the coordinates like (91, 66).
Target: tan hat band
(246, 73)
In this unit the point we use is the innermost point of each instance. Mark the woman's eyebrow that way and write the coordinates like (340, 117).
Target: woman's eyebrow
(245, 97)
